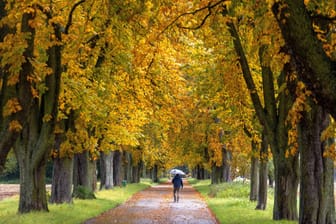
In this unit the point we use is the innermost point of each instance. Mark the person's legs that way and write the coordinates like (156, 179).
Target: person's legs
(175, 192)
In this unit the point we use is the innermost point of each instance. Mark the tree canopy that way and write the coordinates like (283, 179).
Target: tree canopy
(172, 83)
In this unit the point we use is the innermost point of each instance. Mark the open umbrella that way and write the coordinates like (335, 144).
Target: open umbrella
(176, 171)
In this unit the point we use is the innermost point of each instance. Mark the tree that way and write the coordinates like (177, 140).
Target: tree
(37, 99)
(274, 122)
(310, 46)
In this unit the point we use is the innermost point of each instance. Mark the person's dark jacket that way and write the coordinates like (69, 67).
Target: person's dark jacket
(177, 181)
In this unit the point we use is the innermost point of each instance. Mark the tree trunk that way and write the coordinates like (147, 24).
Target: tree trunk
(200, 172)
(316, 189)
(254, 173)
(155, 177)
(286, 185)
(102, 171)
(106, 175)
(263, 174)
(61, 190)
(216, 174)
(33, 195)
(117, 168)
(128, 167)
(84, 172)
(136, 172)
(221, 173)
(227, 157)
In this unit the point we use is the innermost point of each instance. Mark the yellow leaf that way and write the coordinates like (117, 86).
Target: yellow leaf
(12, 106)
(47, 118)
(15, 126)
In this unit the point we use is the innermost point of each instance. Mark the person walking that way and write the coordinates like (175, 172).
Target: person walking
(178, 184)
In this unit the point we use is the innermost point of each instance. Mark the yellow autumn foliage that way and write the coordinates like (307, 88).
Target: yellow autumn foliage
(12, 106)
(15, 126)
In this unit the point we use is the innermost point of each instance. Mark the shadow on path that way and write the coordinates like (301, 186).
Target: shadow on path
(156, 205)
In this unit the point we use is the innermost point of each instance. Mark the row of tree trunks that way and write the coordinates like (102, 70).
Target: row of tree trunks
(80, 171)
(132, 169)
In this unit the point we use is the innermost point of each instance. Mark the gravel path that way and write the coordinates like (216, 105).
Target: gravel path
(155, 205)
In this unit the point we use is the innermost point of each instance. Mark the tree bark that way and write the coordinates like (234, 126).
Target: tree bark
(200, 172)
(106, 175)
(84, 172)
(155, 177)
(32, 181)
(263, 174)
(128, 167)
(254, 184)
(227, 157)
(136, 172)
(217, 174)
(61, 188)
(221, 173)
(286, 185)
(117, 168)
(316, 188)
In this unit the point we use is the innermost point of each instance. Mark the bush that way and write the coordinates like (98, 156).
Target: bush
(83, 193)
(227, 190)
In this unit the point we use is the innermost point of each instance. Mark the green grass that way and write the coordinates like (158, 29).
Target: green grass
(77, 212)
(230, 203)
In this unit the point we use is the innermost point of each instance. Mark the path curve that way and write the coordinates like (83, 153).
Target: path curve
(155, 206)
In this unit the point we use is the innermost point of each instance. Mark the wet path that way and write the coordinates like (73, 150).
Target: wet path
(155, 205)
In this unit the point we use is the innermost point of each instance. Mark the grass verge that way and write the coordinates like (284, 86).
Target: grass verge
(76, 212)
(230, 203)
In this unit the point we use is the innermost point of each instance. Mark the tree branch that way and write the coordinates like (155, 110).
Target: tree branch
(248, 76)
(209, 7)
(67, 27)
